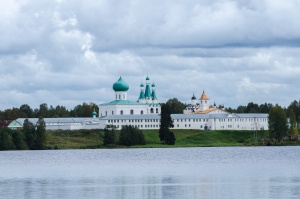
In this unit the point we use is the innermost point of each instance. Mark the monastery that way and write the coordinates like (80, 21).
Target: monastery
(144, 113)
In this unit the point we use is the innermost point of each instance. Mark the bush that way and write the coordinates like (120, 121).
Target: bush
(109, 135)
(130, 135)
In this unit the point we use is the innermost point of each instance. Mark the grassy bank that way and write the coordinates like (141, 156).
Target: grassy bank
(184, 138)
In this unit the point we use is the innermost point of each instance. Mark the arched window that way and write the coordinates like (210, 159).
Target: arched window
(121, 112)
(142, 112)
(156, 110)
(151, 110)
(131, 112)
(112, 112)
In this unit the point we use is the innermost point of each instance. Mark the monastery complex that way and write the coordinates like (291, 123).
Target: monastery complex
(144, 113)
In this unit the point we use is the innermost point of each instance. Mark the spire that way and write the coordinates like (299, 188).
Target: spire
(142, 93)
(203, 96)
(147, 90)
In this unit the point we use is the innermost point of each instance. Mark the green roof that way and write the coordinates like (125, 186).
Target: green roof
(122, 102)
(120, 85)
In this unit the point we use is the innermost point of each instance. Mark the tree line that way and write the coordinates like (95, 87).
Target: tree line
(32, 136)
(45, 111)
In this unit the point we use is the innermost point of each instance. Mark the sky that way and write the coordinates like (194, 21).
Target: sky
(67, 52)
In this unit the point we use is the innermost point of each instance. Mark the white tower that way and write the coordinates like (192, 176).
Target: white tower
(204, 102)
(193, 100)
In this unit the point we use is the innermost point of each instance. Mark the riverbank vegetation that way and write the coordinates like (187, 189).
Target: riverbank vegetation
(83, 139)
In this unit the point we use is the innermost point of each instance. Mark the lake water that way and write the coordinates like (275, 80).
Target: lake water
(222, 172)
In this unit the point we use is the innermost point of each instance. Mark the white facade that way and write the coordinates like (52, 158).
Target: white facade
(145, 115)
(146, 104)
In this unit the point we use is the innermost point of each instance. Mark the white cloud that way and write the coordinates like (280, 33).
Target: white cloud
(65, 53)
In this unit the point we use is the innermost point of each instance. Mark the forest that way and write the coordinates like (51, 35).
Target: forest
(176, 106)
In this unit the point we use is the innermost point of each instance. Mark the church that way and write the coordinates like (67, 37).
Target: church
(147, 102)
(144, 113)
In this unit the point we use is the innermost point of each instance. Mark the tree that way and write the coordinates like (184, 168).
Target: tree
(43, 111)
(25, 108)
(18, 139)
(130, 135)
(40, 141)
(6, 141)
(165, 135)
(175, 106)
(30, 134)
(109, 135)
(277, 123)
(252, 108)
(293, 131)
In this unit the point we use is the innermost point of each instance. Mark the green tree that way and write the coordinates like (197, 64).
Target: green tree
(130, 135)
(165, 135)
(277, 123)
(252, 108)
(176, 107)
(40, 141)
(19, 140)
(6, 140)
(43, 111)
(30, 134)
(293, 131)
(25, 108)
(109, 135)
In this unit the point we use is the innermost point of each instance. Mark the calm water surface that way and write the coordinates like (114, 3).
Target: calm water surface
(229, 172)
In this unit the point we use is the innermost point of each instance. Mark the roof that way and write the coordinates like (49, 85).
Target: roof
(122, 102)
(138, 117)
(203, 96)
(147, 91)
(142, 95)
(193, 98)
(120, 85)
(209, 110)
(5, 123)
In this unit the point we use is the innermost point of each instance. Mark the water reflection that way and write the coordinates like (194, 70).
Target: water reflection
(238, 172)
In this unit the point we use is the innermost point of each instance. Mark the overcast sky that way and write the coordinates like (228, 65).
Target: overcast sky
(67, 52)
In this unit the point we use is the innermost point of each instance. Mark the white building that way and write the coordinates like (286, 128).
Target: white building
(146, 104)
(144, 114)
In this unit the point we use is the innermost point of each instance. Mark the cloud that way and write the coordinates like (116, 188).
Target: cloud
(66, 53)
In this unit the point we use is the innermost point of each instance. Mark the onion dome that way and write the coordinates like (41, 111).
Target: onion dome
(193, 98)
(142, 85)
(153, 85)
(147, 78)
(203, 96)
(94, 113)
(120, 85)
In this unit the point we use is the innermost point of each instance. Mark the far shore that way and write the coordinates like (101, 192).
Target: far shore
(92, 139)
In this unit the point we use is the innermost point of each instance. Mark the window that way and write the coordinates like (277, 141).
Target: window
(121, 112)
(156, 110)
(142, 112)
(112, 112)
(119, 96)
(131, 112)
(105, 112)
(151, 110)
(177, 125)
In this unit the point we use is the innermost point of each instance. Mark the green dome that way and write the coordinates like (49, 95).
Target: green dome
(147, 78)
(142, 85)
(153, 85)
(94, 113)
(120, 85)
